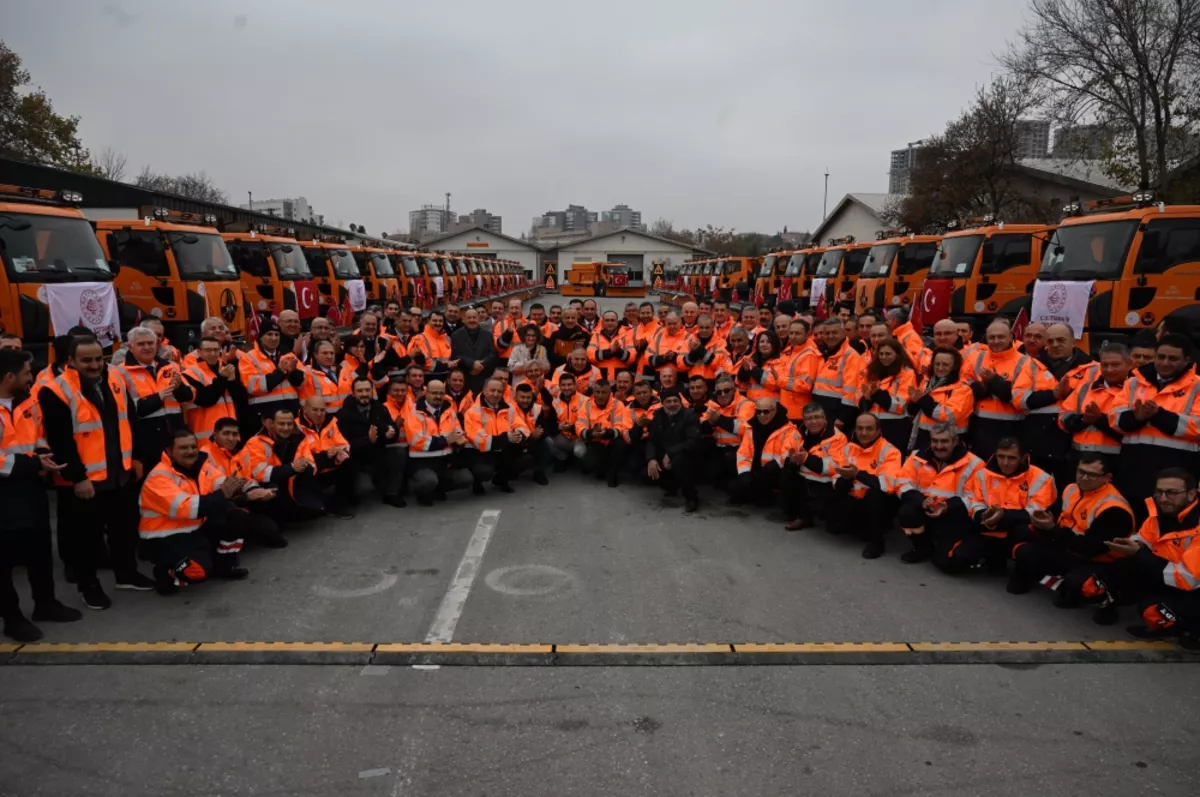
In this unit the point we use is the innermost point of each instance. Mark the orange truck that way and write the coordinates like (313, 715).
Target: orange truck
(735, 278)
(1141, 257)
(173, 266)
(895, 270)
(834, 279)
(990, 267)
(334, 271)
(45, 240)
(378, 270)
(766, 281)
(583, 279)
(274, 272)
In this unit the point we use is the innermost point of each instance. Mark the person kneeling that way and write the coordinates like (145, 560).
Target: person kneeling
(672, 439)
(541, 426)
(864, 472)
(604, 425)
(435, 443)
(369, 429)
(768, 440)
(184, 504)
(279, 456)
(332, 455)
(1007, 490)
(221, 449)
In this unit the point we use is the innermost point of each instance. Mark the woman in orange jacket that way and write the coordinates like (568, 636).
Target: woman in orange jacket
(944, 397)
(750, 374)
(884, 388)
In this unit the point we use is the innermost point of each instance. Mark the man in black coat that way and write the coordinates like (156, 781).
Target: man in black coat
(368, 428)
(672, 444)
(475, 351)
(566, 338)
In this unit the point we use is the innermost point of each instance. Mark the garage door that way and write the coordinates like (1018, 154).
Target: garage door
(634, 262)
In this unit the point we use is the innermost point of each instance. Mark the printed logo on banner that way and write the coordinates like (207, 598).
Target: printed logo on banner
(1056, 299)
(91, 308)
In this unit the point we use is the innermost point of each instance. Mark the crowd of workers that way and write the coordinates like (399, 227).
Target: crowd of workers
(1019, 457)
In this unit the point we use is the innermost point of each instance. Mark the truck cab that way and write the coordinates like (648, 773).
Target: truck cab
(377, 271)
(45, 240)
(991, 267)
(173, 266)
(435, 280)
(796, 282)
(274, 272)
(736, 276)
(895, 270)
(1142, 258)
(837, 272)
(766, 281)
(334, 270)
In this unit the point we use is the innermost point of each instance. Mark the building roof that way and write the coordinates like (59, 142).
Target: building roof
(627, 231)
(872, 203)
(428, 243)
(1086, 174)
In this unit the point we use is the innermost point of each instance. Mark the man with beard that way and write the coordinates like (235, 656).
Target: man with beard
(810, 494)
(369, 429)
(767, 442)
(864, 471)
(270, 376)
(569, 336)
(671, 443)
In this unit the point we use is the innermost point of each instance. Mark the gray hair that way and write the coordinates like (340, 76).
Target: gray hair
(141, 332)
(943, 428)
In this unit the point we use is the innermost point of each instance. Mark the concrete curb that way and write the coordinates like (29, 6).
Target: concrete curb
(460, 654)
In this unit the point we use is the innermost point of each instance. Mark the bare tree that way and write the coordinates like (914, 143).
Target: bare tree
(1125, 64)
(110, 164)
(197, 185)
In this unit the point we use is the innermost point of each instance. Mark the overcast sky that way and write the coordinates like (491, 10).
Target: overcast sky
(698, 111)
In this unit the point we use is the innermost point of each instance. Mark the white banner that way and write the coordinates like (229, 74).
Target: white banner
(817, 291)
(356, 291)
(87, 304)
(439, 284)
(1061, 303)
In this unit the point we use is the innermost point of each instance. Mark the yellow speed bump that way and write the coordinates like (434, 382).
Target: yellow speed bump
(992, 647)
(463, 653)
(823, 653)
(821, 647)
(6, 647)
(1131, 646)
(284, 652)
(105, 653)
(671, 653)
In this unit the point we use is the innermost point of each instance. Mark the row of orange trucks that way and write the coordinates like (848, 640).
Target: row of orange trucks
(184, 267)
(1142, 258)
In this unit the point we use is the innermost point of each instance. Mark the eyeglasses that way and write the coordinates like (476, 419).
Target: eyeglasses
(1168, 493)
(763, 412)
(724, 391)
(1087, 474)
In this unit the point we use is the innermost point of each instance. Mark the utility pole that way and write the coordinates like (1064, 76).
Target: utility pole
(250, 196)
(825, 202)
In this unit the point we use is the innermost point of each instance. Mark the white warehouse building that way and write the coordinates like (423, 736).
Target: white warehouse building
(638, 250)
(481, 242)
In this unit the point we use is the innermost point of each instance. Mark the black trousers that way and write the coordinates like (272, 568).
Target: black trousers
(29, 548)
(804, 498)
(1037, 558)
(680, 478)
(604, 459)
(303, 501)
(85, 525)
(211, 550)
(720, 467)
(385, 465)
(869, 517)
(428, 475)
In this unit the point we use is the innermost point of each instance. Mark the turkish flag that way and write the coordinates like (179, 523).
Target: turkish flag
(934, 304)
(1022, 321)
(785, 288)
(306, 299)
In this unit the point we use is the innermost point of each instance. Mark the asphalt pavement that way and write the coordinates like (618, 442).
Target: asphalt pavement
(578, 562)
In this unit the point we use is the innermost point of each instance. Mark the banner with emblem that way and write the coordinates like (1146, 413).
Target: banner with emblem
(1061, 303)
(87, 304)
(356, 295)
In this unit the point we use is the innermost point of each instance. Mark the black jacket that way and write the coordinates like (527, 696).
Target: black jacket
(675, 435)
(562, 342)
(761, 432)
(355, 427)
(468, 352)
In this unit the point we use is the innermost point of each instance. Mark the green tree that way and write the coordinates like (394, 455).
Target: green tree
(30, 129)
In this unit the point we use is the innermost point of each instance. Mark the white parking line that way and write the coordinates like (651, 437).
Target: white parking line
(446, 619)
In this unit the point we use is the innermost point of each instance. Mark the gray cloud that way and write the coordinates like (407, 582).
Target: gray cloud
(695, 110)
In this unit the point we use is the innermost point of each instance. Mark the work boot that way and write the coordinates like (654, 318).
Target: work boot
(477, 488)
(341, 512)
(560, 467)
(1189, 642)
(502, 485)
(799, 524)
(614, 481)
(873, 549)
(164, 581)
(539, 477)
(94, 596)
(427, 500)
(690, 505)
(440, 495)
(271, 539)
(135, 581)
(395, 500)
(1064, 599)
(1018, 583)
(16, 627)
(996, 566)
(234, 574)
(1106, 615)
(55, 612)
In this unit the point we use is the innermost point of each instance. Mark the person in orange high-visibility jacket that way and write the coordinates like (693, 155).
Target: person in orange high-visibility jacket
(494, 433)
(431, 349)
(768, 440)
(883, 389)
(646, 328)
(356, 363)
(1159, 418)
(281, 457)
(1085, 413)
(1093, 514)
(795, 372)
(214, 382)
(811, 493)
(184, 505)
(724, 419)
(938, 500)
(542, 425)
(435, 442)
(332, 461)
(666, 348)
(643, 405)
(158, 389)
(612, 347)
(864, 473)
(942, 398)
(902, 330)
(838, 374)
(506, 331)
(992, 374)
(269, 375)
(1159, 566)
(224, 455)
(753, 370)
(706, 356)
(577, 365)
(604, 425)
(88, 416)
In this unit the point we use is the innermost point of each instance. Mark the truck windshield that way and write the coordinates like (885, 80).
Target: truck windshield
(915, 256)
(1088, 251)
(879, 260)
(794, 265)
(383, 266)
(708, 269)
(855, 259)
(40, 248)
(830, 261)
(344, 266)
(768, 266)
(731, 266)
(448, 266)
(957, 256)
(462, 268)
(289, 262)
(432, 268)
(202, 256)
(411, 269)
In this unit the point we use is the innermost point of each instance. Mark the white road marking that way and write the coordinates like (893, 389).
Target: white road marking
(528, 580)
(374, 773)
(387, 582)
(427, 666)
(446, 619)
(375, 669)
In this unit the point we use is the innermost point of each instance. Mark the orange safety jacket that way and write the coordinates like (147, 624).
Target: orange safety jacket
(201, 420)
(878, 463)
(399, 412)
(599, 353)
(20, 436)
(1176, 425)
(838, 374)
(351, 370)
(755, 389)
(615, 416)
(87, 425)
(1101, 436)
(485, 425)
(527, 421)
(952, 403)
(1177, 540)
(727, 431)
(1080, 511)
(644, 333)
(173, 503)
(1030, 489)
(321, 441)
(583, 381)
(781, 444)
(638, 413)
(667, 347)
(254, 369)
(819, 465)
(1008, 365)
(721, 331)
(941, 481)
(910, 339)
(427, 431)
(326, 384)
(504, 325)
(259, 459)
(1038, 379)
(435, 347)
(567, 412)
(712, 361)
(896, 387)
(547, 329)
(142, 383)
(227, 463)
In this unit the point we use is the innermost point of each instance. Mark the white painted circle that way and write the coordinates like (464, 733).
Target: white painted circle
(528, 581)
(979, 307)
(1132, 319)
(387, 582)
